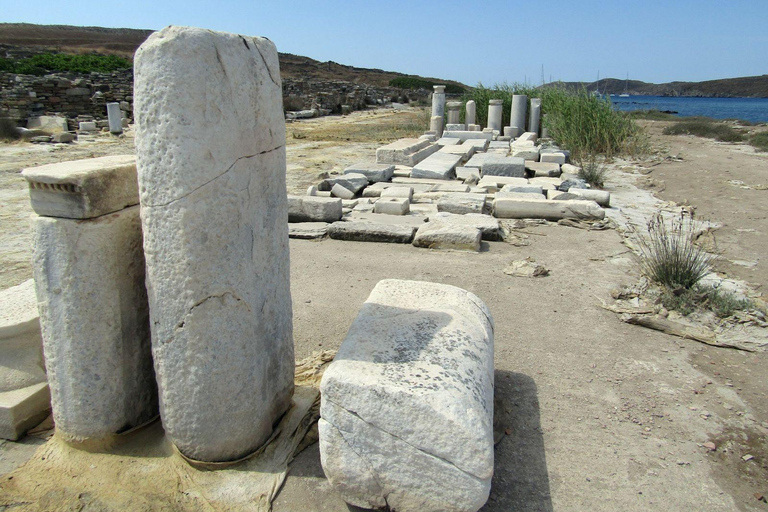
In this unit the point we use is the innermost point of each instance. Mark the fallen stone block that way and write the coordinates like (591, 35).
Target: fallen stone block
(523, 189)
(340, 191)
(63, 137)
(488, 225)
(505, 208)
(354, 182)
(558, 158)
(87, 126)
(601, 197)
(405, 152)
(545, 183)
(439, 166)
(448, 141)
(371, 170)
(499, 144)
(570, 169)
(464, 173)
(527, 136)
(456, 126)
(501, 181)
(450, 187)
(478, 144)
(513, 167)
(402, 171)
(543, 169)
(392, 205)
(465, 152)
(438, 235)
(527, 153)
(361, 231)
(461, 203)
(467, 135)
(407, 405)
(48, 124)
(313, 209)
(308, 230)
(83, 189)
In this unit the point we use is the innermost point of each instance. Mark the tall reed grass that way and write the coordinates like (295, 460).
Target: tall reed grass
(585, 124)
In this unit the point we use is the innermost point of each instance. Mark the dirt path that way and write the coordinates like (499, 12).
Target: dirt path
(600, 415)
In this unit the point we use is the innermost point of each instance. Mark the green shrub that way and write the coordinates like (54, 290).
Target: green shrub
(705, 128)
(720, 302)
(668, 255)
(651, 115)
(60, 62)
(759, 141)
(410, 82)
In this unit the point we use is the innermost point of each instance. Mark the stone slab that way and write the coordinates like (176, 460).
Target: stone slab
(210, 145)
(448, 141)
(48, 124)
(543, 169)
(439, 166)
(558, 158)
(466, 135)
(405, 152)
(438, 235)
(525, 152)
(83, 189)
(313, 209)
(465, 152)
(407, 404)
(461, 203)
(401, 191)
(509, 208)
(361, 231)
(371, 170)
(456, 126)
(524, 189)
(513, 167)
(308, 230)
(450, 187)
(488, 225)
(354, 182)
(464, 173)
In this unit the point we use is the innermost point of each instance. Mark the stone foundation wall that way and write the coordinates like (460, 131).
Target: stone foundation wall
(331, 95)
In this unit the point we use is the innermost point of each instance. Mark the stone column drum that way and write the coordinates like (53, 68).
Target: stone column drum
(115, 117)
(517, 113)
(469, 116)
(210, 144)
(436, 125)
(533, 122)
(453, 111)
(438, 101)
(89, 277)
(494, 114)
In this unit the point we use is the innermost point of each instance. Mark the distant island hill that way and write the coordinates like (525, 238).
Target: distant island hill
(16, 38)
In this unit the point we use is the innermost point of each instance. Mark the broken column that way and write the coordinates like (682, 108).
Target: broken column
(438, 101)
(115, 117)
(533, 121)
(517, 113)
(436, 125)
(471, 110)
(453, 111)
(24, 396)
(214, 211)
(494, 114)
(407, 404)
(89, 277)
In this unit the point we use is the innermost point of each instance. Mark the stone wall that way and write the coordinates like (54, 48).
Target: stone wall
(70, 94)
(84, 96)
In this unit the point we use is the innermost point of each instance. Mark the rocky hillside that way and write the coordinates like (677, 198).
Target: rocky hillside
(19, 39)
(743, 87)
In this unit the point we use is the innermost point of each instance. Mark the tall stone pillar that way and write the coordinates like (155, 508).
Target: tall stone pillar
(89, 279)
(115, 117)
(210, 144)
(517, 114)
(533, 122)
(453, 111)
(494, 114)
(470, 114)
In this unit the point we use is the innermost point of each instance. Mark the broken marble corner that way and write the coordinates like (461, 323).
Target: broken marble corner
(24, 395)
(407, 404)
(213, 208)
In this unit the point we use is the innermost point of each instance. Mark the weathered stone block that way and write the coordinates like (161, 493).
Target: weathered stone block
(509, 208)
(439, 166)
(392, 205)
(214, 210)
(436, 235)
(489, 226)
(83, 189)
(373, 171)
(313, 209)
(339, 190)
(407, 404)
(601, 197)
(513, 167)
(543, 169)
(307, 230)
(360, 231)
(461, 203)
(405, 152)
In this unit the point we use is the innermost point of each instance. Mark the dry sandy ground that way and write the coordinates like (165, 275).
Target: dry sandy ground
(600, 415)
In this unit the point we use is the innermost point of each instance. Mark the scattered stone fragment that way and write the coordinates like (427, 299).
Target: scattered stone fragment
(489, 226)
(526, 268)
(505, 208)
(709, 445)
(371, 170)
(407, 404)
(308, 230)
(438, 235)
(339, 190)
(313, 209)
(361, 231)
(566, 185)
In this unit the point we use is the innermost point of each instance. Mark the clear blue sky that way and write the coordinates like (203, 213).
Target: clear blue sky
(470, 41)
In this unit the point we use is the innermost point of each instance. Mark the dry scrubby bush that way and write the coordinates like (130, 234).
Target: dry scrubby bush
(703, 127)
(720, 302)
(593, 171)
(759, 141)
(8, 130)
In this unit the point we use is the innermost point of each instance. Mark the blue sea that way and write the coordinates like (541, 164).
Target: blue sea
(750, 109)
